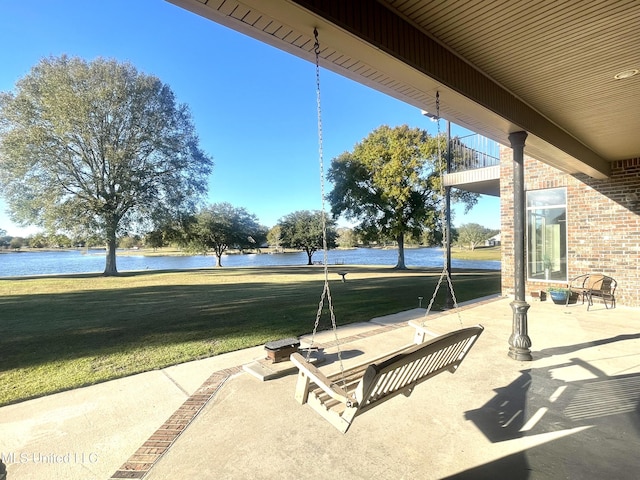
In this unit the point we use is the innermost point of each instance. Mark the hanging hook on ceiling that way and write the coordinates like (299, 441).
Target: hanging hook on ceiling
(316, 46)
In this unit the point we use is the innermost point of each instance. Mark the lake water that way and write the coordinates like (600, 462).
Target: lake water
(92, 261)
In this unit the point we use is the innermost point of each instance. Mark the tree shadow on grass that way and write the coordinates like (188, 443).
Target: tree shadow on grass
(40, 329)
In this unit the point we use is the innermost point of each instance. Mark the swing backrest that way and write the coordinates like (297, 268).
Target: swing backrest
(402, 372)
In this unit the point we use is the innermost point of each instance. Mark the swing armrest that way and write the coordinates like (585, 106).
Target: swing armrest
(421, 331)
(321, 380)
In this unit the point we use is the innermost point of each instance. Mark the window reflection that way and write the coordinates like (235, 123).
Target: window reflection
(547, 234)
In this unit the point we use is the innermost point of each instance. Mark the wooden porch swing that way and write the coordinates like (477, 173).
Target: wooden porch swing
(341, 397)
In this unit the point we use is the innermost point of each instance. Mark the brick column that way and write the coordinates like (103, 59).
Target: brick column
(519, 341)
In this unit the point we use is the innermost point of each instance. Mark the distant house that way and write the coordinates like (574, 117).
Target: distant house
(493, 241)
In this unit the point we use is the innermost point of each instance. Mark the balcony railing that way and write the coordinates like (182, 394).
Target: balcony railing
(473, 151)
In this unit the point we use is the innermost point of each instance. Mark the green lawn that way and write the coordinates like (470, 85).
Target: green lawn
(479, 253)
(58, 333)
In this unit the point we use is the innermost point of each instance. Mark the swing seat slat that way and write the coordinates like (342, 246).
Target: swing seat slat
(373, 383)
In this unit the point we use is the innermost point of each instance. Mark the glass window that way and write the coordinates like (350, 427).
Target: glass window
(547, 234)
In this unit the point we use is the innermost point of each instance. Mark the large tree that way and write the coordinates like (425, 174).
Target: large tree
(274, 237)
(385, 184)
(472, 235)
(390, 184)
(97, 147)
(303, 230)
(222, 226)
(346, 238)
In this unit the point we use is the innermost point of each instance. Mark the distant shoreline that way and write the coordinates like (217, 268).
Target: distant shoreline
(480, 253)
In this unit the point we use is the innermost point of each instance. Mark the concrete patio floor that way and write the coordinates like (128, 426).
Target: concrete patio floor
(572, 412)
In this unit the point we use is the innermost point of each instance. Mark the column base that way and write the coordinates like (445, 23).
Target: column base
(522, 355)
(519, 341)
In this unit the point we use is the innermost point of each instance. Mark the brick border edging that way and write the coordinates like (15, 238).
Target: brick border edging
(143, 460)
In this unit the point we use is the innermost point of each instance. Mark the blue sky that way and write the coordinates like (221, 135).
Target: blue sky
(254, 107)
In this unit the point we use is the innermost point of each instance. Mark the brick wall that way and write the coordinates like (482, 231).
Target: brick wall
(603, 223)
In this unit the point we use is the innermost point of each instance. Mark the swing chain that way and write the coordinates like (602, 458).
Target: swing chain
(445, 270)
(321, 159)
(326, 292)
